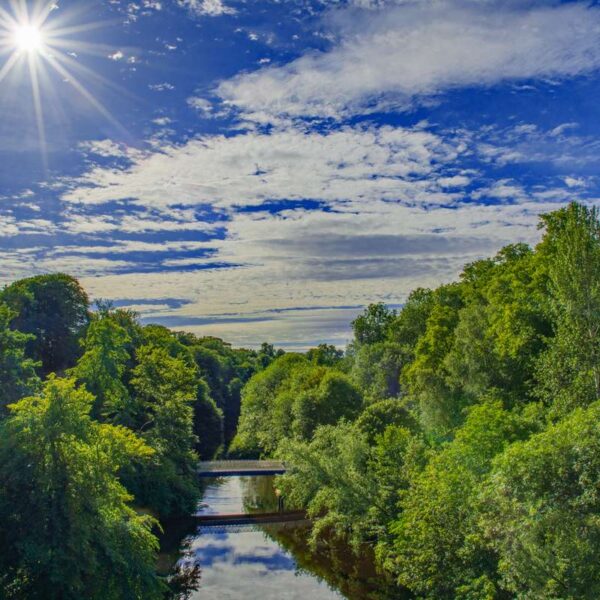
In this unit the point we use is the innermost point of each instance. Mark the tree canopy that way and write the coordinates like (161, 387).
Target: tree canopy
(67, 529)
(54, 309)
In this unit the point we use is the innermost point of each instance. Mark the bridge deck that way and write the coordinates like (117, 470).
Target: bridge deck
(250, 519)
(228, 468)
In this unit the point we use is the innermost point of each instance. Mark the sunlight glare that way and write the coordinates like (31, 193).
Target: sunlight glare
(28, 38)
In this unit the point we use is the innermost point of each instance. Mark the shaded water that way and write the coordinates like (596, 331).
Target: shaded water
(268, 562)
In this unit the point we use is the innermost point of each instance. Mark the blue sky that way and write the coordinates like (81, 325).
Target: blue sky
(261, 170)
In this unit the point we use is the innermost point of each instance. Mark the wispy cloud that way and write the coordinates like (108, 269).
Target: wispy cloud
(210, 8)
(388, 59)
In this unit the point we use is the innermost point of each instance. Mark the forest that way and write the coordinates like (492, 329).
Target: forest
(458, 437)
(102, 422)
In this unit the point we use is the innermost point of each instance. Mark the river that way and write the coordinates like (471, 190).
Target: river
(267, 562)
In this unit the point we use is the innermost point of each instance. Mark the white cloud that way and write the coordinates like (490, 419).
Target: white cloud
(351, 164)
(388, 58)
(558, 131)
(128, 246)
(162, 121)
(161, 87)
(574, 182)
(302, 259)
(338, 218)
(108, 149)
(526, 143)
(25, 263)
(203, 106)
(164, 221)
(456, 181)
(209, 8)
(503, 189)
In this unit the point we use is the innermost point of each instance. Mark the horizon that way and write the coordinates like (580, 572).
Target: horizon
(263, 170)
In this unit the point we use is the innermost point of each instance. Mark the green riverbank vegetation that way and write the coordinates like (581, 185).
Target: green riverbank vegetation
(102, 422)
(459, 436)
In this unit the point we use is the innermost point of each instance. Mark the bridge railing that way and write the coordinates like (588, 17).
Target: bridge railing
(240, 467)
(220, 465)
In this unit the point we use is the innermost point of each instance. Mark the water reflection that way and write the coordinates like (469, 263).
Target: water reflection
(238, 495)
(248, 564)
(270, 562)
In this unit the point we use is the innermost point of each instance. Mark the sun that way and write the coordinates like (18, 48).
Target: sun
(37, 39)
(28, 38)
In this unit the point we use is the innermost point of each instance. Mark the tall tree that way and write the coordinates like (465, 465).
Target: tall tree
(165, 388)
(438, 553)
(17, 372)
(570, 370)
(54, 309)
(102, 367)
(325, 355)
(373, 324)
(256, 432)
(540, 510)
(208, 424)
(66, 528)
(440, 402)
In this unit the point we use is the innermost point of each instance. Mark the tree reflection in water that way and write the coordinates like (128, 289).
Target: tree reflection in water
(176, 561)
(334, 563)
(352, 573)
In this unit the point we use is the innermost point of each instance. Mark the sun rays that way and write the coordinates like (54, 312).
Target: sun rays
(37, 37)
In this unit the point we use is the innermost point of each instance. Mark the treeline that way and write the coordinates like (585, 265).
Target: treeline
(102, 422)
(461, 435)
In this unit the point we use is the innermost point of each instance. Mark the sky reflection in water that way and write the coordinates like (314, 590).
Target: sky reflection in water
(247, 564)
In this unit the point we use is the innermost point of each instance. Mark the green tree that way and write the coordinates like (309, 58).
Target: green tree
(66, 528)
(17, 372)
(325, 355)
(54, 309)
(267, 354)
(397, 456)
(569, 372)
(348, 486)
(410, 324)
(440, 403)
(208, 424)
(540, 511)
(376, 370)
(256, 432)
(502, 327)
(330, 477)
(438, 552)
(373, 324)
(164, 389)
(102, 368)
(225, 370)
(377, 417)
(321, 396)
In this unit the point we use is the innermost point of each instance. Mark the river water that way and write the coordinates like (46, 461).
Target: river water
(268, 562)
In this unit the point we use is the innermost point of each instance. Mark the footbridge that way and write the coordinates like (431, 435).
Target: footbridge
(248, 468)
(231, 468)
(289, 516)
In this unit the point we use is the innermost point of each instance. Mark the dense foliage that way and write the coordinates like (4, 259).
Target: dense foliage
(67, 530)
(54, 310)
(465, 444)
(102, 421)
